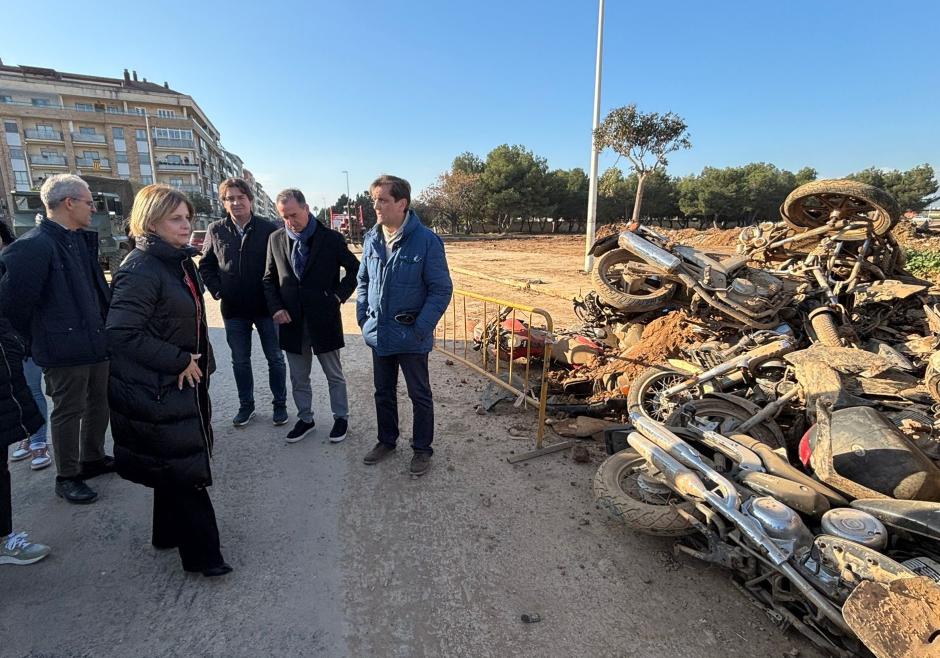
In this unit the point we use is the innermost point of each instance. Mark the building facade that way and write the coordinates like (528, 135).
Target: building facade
(130, 128)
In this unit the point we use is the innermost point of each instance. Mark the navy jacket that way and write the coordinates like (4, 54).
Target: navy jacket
(415, 282)
(54, 293)
(313, 300)
(232, 266)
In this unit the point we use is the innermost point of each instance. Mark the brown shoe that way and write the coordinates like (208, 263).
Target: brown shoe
(378, 453)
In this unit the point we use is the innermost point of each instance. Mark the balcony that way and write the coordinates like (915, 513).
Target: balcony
(88, 138)
(176, 166)
(43, 135)
(174, 143)
(47, 160)
(89, 163)
(188, 189)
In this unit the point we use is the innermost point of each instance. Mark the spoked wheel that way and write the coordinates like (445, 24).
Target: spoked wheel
(647, 392)
(816, 203)
(624, 486)
(720, 415)
(623, 282)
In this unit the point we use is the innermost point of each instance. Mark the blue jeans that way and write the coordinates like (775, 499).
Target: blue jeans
(34, 381)
(238, 335)
(417, 381)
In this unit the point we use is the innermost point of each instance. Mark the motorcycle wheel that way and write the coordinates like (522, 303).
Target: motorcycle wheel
(617, 489)
(650, 291)
(722, 416)
(812, 204)
(646, 392)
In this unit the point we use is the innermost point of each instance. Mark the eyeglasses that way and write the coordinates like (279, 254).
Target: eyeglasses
(233, 199)
(88, 202)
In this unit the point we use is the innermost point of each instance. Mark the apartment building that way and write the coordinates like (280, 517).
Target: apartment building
(264, 206)
(55, 122)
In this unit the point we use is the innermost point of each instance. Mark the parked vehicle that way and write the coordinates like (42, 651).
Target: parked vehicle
(197, 239)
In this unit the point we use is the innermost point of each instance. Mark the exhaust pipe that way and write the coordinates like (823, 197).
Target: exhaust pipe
(649, 252)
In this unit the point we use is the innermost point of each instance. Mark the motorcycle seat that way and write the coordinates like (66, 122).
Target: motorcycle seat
(915, 517)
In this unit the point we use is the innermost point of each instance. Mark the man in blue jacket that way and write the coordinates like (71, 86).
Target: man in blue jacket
(403, 289)
(54, 293)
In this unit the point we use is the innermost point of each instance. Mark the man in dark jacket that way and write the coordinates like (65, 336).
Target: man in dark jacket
(304, 290)
(232, 268)
(54, 293)
(404, 289)
(19, 418)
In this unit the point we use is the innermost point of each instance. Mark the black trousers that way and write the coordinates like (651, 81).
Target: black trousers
(185, 519)
(6, 498)
(417, 380)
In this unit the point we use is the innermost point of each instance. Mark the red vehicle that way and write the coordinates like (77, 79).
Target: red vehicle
(196, 239)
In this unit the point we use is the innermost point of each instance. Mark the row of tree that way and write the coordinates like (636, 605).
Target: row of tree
(513, 189)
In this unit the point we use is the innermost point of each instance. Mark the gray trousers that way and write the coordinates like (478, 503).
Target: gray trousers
(332, 366)
(79, 417)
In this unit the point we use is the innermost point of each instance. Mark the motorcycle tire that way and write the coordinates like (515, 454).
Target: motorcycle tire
(719, 413)
(616, 490)
(657, 294)
(808, 206)
(643, 391)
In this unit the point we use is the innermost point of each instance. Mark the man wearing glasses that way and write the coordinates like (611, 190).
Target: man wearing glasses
(232, 267)
(54, 294)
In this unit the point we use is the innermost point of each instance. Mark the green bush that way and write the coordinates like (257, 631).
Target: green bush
(923, 263)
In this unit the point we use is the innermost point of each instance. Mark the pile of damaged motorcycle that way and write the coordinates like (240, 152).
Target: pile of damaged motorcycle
(793, 440)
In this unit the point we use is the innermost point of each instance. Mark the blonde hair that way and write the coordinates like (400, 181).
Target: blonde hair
(152, 204)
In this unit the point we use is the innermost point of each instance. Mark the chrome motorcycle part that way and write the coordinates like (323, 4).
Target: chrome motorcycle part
(780, 522)
(746, 459)
(924, 566)
(855, 525)
(794, 495)
(649, 252)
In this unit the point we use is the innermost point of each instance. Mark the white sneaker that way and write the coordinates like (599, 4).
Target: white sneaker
(41, 459)
(22, 451)
(17, 550)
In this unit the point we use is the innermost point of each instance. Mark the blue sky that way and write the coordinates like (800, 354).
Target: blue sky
(304, 90)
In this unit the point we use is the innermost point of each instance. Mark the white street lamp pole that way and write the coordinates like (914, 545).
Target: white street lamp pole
(592, 191)
(347, 195)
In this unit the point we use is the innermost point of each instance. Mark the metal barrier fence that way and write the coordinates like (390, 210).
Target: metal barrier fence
(455, 337)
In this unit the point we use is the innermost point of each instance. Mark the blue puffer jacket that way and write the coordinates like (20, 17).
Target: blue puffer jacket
(414, 281)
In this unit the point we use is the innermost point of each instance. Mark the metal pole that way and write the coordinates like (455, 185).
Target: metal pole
(592, 191)
(347, 195)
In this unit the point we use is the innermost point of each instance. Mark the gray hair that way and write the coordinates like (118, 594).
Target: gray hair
(60, 187)
(290, 193)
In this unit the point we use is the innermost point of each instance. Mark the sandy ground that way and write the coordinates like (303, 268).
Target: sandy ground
(334, 558)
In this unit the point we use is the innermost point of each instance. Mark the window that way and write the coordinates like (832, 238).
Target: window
(139, 110)
(166, 114)
(90, 155)
(10, 127)
(176, 182)
(113, 109)
(40, 102)
(84, 107)
(121, 158)
(146, 180)
(17, 154)
(49, 153)
(84, 130)
(141, 134)
(174, 159)
(21, 178)
(6, 99)
(118, 133)
(173, 133)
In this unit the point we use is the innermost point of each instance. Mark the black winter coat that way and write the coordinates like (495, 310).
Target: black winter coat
(54, 294)
(232, 266)
(19, 415)
(313, 300)
(162, 435)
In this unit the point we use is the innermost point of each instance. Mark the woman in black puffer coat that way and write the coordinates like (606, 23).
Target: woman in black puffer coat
(159, 383)
(19, 419)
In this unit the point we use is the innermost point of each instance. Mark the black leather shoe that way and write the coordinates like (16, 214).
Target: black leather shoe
(98, 467)
(75, 491)
(219, 570)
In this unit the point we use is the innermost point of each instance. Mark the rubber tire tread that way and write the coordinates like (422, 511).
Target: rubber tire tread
(657, 520)
(874, 195)
(624, 301)
(826, 330)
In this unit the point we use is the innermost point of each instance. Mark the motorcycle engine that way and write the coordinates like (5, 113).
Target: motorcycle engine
(755, 291)
(781, 523)
(855, 525)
